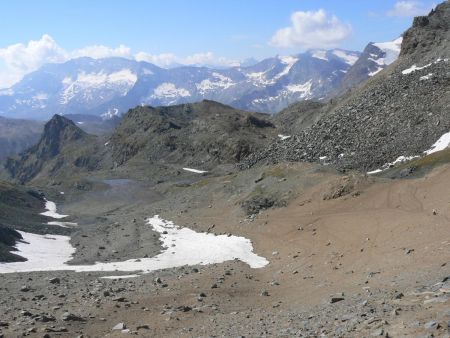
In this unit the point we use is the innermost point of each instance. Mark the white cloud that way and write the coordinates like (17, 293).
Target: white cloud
(19, 59)
(100, 51)
(162, 60)
(409, 8)
(312, 29)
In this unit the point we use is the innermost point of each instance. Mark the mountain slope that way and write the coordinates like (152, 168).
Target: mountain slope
(111, 86)
(202, 135)
(17, 135)
(62, 148)
(374, 58)
(401, 111)
(20, 209)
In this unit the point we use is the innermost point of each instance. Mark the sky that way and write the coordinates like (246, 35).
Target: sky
(195, 32)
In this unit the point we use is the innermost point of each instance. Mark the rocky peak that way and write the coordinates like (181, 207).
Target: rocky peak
(57, 132)
(429, 35)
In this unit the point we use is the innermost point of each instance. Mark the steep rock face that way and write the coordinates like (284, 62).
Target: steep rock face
(62, 144)
(429, 37)
(201, 134)
(399, 112)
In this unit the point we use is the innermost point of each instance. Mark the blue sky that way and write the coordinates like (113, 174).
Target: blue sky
(182, 31)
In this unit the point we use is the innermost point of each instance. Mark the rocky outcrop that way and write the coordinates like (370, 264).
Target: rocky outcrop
(200, 134)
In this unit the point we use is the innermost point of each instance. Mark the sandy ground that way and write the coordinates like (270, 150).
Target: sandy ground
(372, 262)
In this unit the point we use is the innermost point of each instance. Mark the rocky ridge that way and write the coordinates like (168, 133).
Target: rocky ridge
(399, 112)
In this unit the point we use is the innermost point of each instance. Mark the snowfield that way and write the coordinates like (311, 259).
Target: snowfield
(181, 246)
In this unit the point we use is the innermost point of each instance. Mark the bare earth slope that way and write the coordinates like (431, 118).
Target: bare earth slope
(348, 257)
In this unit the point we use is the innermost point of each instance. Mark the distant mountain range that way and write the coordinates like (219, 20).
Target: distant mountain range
(111, 86)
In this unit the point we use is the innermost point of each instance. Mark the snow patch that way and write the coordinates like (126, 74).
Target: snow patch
(391, 50)
(349, 58)
(63, 224)
(319, 54)
(414, 68)
(284, 137)
(304, 88)
(289, 61)
(376, 71)
(441, 144)
(218, 81)
(51, 210)
(399, 160)
(182, 246)
(169, 90)
(426, 77)
(195, 170)
(88, 84)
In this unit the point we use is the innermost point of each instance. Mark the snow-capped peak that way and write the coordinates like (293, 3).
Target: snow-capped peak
(391, 50)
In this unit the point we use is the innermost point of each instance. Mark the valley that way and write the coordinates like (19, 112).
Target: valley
(197, 213)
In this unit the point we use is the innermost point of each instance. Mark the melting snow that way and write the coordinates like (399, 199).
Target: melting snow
(51, 210)
(441, 144)
(349, 58)
(169, 90)
(284, 137)
(320, 54)
(413, 68)
(121, 81)
(376, 71)
(304, 88)
(195, 170)
(426, 77)
(391, 50)
(219, 81)
(399, 160)
(63, 224)
(289, 61)
(182, 246)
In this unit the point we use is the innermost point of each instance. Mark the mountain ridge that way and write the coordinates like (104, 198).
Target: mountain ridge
(111, 86)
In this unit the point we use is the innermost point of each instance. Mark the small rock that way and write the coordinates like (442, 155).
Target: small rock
(55, 280)
(432, 325)
(143, 327)
(336, 299)
(70, 317)
(120, 326)
(399, 295)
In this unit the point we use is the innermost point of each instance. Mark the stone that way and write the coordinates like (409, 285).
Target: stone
(55, 280)
(119, 327)
(143, 327)
(432, 325)
(336, 299)
(70, 317)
